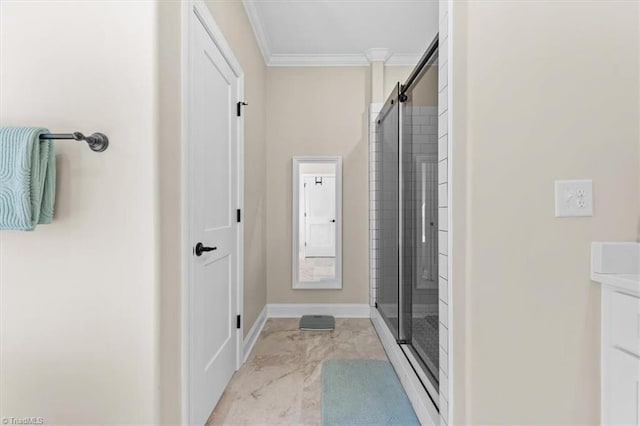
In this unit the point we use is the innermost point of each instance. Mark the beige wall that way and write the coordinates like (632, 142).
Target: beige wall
(79, 296)
(232, 20)
(393, 75)
(318, 111)
(169, 62)
(426, 92)
(542, 91)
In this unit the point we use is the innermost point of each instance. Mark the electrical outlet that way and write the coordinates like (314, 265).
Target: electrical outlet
(574, 198)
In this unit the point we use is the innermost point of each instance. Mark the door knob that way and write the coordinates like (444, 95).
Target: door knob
(333, 221)
(201, 248)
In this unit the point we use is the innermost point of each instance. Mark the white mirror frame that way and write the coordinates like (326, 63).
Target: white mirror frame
(295, 178)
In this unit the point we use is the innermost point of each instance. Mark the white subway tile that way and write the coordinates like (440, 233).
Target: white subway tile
(443, 218)
(443, 290)
(443, 383)
(443, 128)
(444, 410)
(442, 195)
(443, 266)
(443, 148)
(443, 242)
(443, 101)
(444, 362)
(443, 7)
(420, 139)
(443, 313)
(421, 119)
(442, 75)
(443, 47)
(442, 171)
(443, 336)
(444, 27)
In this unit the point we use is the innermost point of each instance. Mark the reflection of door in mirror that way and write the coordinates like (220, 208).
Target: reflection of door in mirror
(319, 216)
(316, 202)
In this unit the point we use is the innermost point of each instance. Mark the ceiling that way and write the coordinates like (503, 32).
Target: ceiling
(342, 32)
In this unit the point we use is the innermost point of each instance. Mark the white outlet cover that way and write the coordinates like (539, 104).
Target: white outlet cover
(574, 198)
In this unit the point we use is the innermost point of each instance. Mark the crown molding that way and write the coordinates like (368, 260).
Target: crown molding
(261, 36)
(317, 60)
(337, 60)
(377, 54)
(403, 59)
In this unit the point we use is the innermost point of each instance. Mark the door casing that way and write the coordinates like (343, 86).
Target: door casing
(199, 8)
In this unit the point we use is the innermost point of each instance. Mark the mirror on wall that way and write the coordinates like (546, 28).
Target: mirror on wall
(317, 222)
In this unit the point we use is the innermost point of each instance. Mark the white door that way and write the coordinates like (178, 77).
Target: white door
(320, 216)
(213, 198)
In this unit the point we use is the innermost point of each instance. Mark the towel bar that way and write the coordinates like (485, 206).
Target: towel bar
(98, 142)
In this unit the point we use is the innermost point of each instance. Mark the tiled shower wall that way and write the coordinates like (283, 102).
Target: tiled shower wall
(443, 203)
(375, 160)
(423, 122)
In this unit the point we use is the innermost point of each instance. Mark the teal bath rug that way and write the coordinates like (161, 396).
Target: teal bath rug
(363, 392)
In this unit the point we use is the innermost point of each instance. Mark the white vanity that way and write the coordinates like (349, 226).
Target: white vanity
(617, 267)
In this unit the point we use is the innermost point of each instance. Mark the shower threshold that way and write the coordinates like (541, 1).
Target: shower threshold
(427, 379)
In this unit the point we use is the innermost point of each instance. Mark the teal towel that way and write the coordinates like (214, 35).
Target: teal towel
(27, 178)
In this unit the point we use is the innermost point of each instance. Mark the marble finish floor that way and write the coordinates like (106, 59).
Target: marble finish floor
(317, 268)
(280, 382)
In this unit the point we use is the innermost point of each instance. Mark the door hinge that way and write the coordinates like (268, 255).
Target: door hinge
(238, 321)
(239, 106)
(238, 215)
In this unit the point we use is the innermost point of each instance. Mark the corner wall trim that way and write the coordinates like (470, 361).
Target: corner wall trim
(253, 334)
(338, 310)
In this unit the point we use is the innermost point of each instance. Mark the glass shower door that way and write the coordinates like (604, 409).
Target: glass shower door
(387, 208)
(406, 222)
(419, 142)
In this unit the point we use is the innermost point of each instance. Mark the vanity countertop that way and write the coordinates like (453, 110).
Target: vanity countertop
(616, 264)
(629, 282)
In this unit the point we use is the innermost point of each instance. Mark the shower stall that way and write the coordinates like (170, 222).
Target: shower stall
(406, 221)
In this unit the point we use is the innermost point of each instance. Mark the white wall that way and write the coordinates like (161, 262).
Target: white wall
(100, 339)
(541, 91)
(78, 297)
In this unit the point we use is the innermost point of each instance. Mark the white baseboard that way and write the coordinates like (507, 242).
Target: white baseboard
(422, 405)
(338, 310)
(253, 334)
